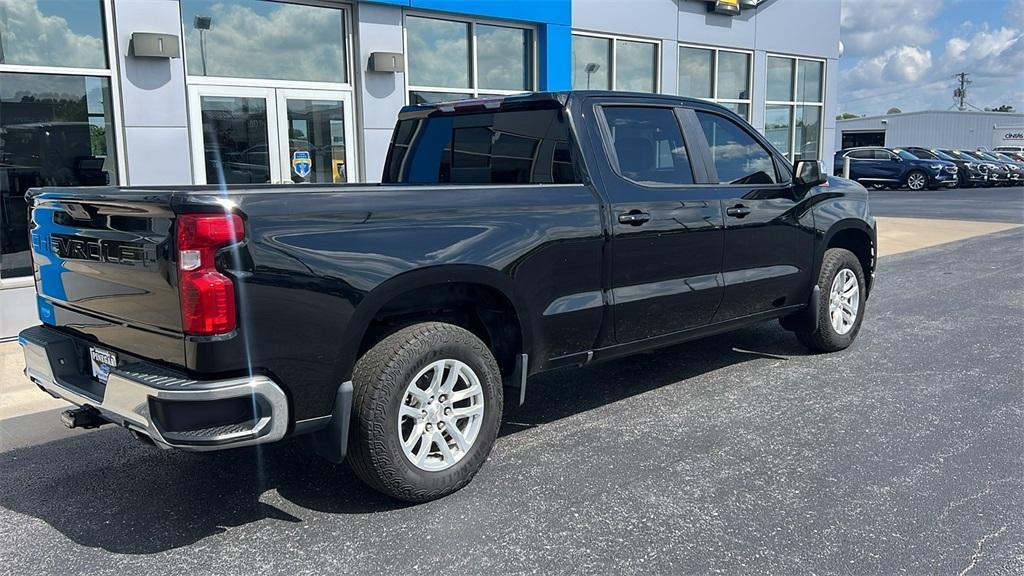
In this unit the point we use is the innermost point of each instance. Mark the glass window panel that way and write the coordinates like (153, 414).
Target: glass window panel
(733, 76)
(54, 131)
(738, 157)
(808, 88)
(261, 39)
(808, 132)
(235, 140)
(503, 57)
(635, 69)
(503, 147)
(778, 125)
(318, 128)
(696, 72)
(648, 145)
(742, 110)
(591, 61)
(421, 97)
(52, 33)
(438, 52)
(780, 79)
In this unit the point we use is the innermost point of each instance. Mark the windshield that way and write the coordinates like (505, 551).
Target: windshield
(942, 155)
(967, 156)
(1003, 157)
(986, 156)
(905, 155)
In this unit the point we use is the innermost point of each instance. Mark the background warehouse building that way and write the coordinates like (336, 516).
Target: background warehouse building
(933, 129)
(176, 92)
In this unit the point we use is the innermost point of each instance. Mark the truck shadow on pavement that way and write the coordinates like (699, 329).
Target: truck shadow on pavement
(104, 490)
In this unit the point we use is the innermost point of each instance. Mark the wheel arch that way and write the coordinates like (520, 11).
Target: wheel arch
(857, 236)
(478, 298)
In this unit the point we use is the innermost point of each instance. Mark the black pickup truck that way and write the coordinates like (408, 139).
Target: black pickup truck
(383, 322)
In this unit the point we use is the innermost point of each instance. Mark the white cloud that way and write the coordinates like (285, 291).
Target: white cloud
(917, 74)
(30, 37)
(868, 25)
(906, 64)
(1014, 13)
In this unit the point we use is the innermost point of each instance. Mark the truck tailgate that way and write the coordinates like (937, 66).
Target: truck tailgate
(101, 259)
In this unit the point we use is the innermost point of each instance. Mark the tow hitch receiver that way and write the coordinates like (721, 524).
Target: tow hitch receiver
(84, 417)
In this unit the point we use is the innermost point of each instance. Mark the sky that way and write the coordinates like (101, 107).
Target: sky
(904, 53)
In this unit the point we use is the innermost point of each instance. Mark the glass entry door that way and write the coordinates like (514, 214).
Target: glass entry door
(247, 135)
(315, 136)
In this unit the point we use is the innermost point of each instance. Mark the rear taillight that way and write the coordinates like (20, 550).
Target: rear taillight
(207, 296)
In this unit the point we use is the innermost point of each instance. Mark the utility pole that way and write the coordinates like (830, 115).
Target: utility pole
(960, 94)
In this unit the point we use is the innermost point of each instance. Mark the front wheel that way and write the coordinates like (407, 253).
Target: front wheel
(917, 180)
(426, 410)
(842, 286)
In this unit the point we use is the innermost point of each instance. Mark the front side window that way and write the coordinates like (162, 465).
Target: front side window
(441, 59)
(717, 75)
(611, 63)
(55, 130)
(513, 147)
(794, 106)
(648, 145)
(737, 156)
(263, 39)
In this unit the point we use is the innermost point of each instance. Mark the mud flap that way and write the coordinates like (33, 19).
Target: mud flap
(806, 319)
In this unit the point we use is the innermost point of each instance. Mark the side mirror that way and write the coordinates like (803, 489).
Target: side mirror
(808, 173)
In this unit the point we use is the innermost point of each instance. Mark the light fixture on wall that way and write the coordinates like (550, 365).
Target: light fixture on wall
(730, 7)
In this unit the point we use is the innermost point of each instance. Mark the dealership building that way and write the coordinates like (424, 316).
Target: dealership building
(967, 130)
(178, 92)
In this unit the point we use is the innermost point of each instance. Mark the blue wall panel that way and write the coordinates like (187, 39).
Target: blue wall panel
(539, 11)
(553, 17)
(556, 57)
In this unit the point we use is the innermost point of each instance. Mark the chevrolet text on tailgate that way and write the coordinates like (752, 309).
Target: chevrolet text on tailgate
(384, 323)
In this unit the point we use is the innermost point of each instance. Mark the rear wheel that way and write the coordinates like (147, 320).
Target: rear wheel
(842, 285)
(917, 180)
(426, 411)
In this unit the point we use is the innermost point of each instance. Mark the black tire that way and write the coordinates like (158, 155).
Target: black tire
(824, 338)
(906, 182)
(380, 379)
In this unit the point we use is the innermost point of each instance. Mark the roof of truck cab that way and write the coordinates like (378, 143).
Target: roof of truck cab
(526, 98)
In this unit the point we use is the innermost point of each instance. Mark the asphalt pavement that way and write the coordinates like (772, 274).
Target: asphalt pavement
(739, 454)
(984, 204)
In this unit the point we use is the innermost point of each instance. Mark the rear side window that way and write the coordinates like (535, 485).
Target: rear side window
(738, 158)
(648, 145)
(862, 155)
(513, 147)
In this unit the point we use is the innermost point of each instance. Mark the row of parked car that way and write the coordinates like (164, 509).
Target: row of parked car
(918, 168)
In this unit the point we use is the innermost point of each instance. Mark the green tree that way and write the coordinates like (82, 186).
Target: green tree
(847, 116)
(1003, 108)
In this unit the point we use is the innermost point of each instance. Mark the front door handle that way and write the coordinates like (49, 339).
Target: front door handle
(634, 217)
(738, 211)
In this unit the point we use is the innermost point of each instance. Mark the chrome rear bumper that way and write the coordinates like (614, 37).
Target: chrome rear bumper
(171, 409)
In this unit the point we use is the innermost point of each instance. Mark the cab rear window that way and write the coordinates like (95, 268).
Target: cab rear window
(504, 147)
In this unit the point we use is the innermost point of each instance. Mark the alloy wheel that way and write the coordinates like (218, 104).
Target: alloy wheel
(844, 301)
(917, 181)
(441, 415)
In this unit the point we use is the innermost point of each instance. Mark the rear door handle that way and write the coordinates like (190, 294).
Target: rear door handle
(634, 217)
(738, 211)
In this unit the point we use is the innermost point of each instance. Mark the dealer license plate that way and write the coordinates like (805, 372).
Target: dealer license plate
(102, 361)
